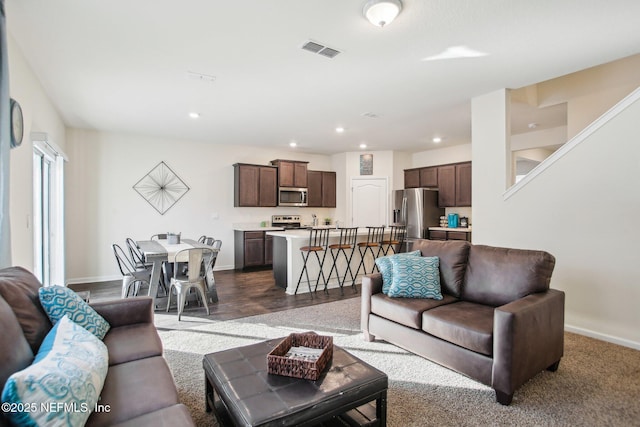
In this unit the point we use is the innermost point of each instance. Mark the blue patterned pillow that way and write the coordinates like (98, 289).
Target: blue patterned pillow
(58, 301)
(386, 269)
(416, 277)
(63, 384)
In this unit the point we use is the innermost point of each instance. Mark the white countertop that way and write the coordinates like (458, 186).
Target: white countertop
(304, 233)
(463, 230)
(255, 227)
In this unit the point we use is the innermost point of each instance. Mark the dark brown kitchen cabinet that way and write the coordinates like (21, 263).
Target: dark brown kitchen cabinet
(463, 184)
(429, 177)
(453, 182)
(252, 249)
(447, 186)
(291, 173)
(449, 235)
(412, 178)
(322, 189)
(255, 185)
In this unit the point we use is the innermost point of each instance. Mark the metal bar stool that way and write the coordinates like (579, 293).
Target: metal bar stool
(397, 236)
(346, 244)
(374, 237)
(318, 242)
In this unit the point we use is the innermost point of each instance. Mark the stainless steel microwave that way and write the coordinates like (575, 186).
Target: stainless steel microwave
(290, 196)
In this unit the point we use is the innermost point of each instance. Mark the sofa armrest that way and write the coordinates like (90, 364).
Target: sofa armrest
(528, 337)
(121, 312)
(371, 284)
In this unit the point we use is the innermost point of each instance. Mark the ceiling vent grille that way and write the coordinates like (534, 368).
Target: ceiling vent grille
(320, 49)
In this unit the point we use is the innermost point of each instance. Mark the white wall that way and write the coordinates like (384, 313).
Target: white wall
(442, 156)
(105, 209)
(582, 209)
(39, 116)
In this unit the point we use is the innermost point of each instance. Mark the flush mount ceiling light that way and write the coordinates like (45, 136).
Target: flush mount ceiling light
(194, 115)
(382, 12)
(340, 129)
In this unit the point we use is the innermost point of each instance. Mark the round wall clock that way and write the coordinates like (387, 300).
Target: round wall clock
(17, 123)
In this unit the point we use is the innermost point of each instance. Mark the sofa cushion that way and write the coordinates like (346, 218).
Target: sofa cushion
(497, 276)
(11, 337)
(60, 301)
(453, 255)
(133, 389)
(415, 277)
(463, 323)
(406, 311)
(385, 267)
(176, 415)
(69, 370)
(132, 342)
(19, 288)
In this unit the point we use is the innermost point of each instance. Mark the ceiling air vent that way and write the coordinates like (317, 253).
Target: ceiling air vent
(320, 49)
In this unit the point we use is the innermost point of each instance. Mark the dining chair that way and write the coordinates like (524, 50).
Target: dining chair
(131, 276)
(136, 255)
(199, 264)
(162, 236)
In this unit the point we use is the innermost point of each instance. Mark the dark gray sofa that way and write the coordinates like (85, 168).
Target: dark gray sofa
(498, 323)
(139, 388)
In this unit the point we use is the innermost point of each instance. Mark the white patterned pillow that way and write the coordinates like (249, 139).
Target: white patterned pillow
(416, 277)
(59, 301)
(386, 268)
(63, 385)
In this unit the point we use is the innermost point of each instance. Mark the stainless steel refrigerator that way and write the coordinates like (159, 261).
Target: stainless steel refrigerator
(417, 208)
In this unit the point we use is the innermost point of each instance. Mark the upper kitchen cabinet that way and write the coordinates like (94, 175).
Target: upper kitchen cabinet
(322, 189)
(453, 182)
(255, 185)
(411, 178)
(463, 184)
(291, 173)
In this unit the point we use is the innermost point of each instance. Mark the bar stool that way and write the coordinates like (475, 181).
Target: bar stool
(346, 246)
(318, 242)
(397, 235)
(374, 237)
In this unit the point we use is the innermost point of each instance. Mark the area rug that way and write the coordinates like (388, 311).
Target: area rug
(597, 384)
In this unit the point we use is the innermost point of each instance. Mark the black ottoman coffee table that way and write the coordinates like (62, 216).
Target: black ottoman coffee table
(242, 393)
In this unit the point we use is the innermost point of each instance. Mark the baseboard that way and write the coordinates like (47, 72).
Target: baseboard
(98, 279)
(602, 337)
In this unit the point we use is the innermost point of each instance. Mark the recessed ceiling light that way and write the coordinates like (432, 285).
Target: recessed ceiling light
(532, 125)
(456, 52)
(340, 129)
(293, 144)
(437, 139)
(363, 145)
(194, 115)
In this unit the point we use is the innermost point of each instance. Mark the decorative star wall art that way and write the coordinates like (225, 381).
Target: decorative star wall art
(161, 188)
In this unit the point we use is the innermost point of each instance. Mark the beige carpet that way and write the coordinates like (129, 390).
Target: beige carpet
(598, 384)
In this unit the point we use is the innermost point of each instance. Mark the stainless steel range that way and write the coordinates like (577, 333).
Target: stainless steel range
(288, 222)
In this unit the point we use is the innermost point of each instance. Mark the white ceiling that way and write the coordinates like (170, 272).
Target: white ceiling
(122, 65)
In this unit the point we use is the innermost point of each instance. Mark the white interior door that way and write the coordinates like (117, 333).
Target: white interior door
(369, 202)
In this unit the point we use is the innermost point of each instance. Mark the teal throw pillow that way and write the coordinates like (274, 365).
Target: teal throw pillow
(62, 386)
(416, 277)
(59, 301)
(386, 269)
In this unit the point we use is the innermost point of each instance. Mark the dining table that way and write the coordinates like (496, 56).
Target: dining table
(160, 251)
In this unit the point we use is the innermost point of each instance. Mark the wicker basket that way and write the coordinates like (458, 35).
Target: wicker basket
(279, 364)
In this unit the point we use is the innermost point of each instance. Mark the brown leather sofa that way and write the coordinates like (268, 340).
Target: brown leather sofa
(139, 388)
(498, 323)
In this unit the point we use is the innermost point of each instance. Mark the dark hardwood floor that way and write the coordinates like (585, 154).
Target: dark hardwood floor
(240, 294)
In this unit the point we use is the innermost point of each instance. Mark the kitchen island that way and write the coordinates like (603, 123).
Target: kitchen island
(288, 262)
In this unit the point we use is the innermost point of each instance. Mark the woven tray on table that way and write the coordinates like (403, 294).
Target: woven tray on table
(279, 364)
